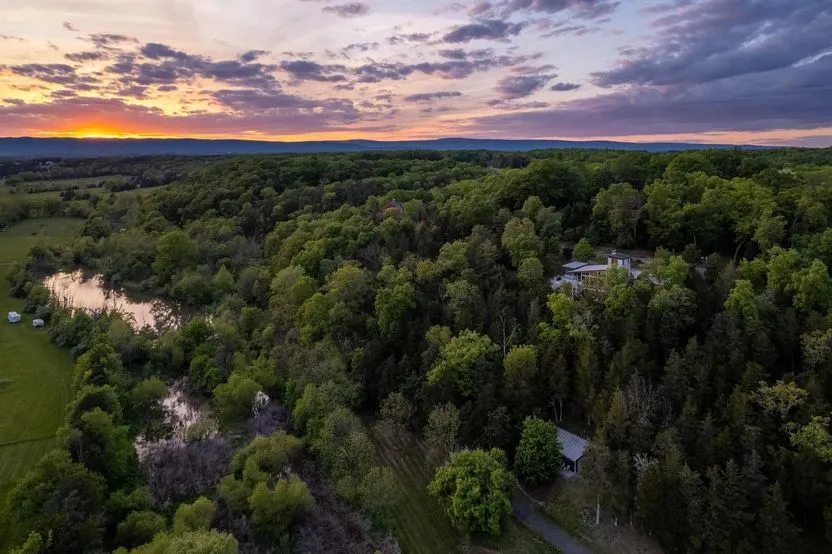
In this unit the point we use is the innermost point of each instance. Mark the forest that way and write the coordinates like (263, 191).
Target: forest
(335, 295)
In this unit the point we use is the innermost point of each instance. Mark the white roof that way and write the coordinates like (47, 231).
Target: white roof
(573, 446)
(592, 268)
(574, 265)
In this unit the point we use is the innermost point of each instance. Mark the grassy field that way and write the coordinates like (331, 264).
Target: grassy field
(420, 524)
(63, 184)
(35, 374)
(16, 241)
(96, 191)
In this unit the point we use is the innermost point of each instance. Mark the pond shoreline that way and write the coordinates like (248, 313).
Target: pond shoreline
(89, 291)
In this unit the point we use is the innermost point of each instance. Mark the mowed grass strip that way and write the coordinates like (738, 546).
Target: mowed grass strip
(421, 526)
(15, 459)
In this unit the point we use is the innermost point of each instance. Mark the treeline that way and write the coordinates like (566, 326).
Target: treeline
(706, 382)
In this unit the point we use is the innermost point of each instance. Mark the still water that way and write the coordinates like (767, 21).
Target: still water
(88, 292)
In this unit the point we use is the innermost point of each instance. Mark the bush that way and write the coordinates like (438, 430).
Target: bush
(475, 489)
(139, 528)
(538, 456)
(194, 517)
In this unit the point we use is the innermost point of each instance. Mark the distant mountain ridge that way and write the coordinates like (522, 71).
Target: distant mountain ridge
(28, 147)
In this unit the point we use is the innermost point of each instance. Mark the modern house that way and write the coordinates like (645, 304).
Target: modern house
(38, 323)
(14, 317)
(585, 274)
(573, 449)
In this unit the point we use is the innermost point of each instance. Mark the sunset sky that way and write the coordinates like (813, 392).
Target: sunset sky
(738, 71)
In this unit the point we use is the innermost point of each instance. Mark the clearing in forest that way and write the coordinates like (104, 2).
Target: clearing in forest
(34, 374)
(419, 522)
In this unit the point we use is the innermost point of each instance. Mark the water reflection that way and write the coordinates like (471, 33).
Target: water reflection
(88, 292)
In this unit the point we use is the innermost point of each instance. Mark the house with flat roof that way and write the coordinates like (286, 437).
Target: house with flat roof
(581, 274)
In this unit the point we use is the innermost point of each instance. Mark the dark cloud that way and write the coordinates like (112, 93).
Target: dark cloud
(360, 47)
(564, 87)
(55, 73)
(521, 86)
(90, 56)
(108, 41)
(513, 105)
(491, 29)
(565, 29)
(63, 93)
(446, 69)
(304, 70)
(454, 54)
(408, 37)
(797, 99)
(167, 88)
(251, 55)
(351, 9)
(11, 37)
(431, 96)
(586, 9)
(133, 91)
(717, 39)
(52, 45)
(70, 27)
(160, 64)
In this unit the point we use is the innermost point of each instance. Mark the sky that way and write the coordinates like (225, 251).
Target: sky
(729, 71)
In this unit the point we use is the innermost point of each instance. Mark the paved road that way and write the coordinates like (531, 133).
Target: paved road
(525, 512)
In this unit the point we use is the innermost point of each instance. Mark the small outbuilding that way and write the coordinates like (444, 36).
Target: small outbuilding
(38, 323)
(14, 317)
(573, 449)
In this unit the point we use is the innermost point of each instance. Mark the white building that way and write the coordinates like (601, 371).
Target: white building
(583, 274)
(14, 317)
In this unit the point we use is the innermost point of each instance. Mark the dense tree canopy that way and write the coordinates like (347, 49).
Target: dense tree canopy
(704, 381)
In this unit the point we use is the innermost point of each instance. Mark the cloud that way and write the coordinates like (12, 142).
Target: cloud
(408, 37)
(252, 55)
(478, 61)
(304, 70)
(521, 86)
(55, 73)
(160, 64)
(715, 39)
(70, 27)
(107, 41)
(285, 116)
(490, 29)
(798, 99)
(350, 9)
(89, 56)
(11, 37)
(431, 96)
(586, 9)
(564, 87)
(359, 47)
(454, 54)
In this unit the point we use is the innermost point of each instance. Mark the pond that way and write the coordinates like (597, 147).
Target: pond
(89, 292)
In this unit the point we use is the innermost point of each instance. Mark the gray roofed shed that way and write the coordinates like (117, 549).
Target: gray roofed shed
(573, 448)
